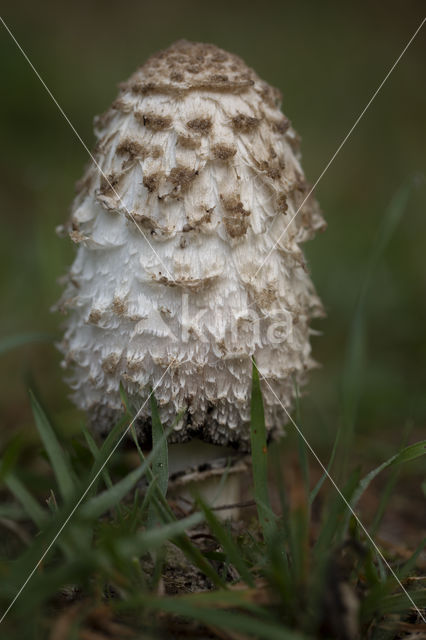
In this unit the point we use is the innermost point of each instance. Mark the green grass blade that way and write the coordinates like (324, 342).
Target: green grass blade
(59, 461)
(167, 516)
(192, 552)
(391, 220)
(110, 498)
(411, 452)
(159, 562)
(388, 488)
(47, 583)
(332, 528)
(355, 353)
(220, 619)
(160, 463)
(13, 511)
(405, 455)
(10, 456)
(299, 539)
(223, 536)
(95, 453)
(149, 495)
(32, 508)
(392, 604)
(222, 483)
(301, 444)
(279, 573)
(107, 447)
(51, 524)
(153, 539)
(410, 564)
(320, 482)
(277, 552)
(259, 453)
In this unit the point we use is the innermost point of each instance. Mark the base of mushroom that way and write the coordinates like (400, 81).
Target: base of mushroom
(212, 472)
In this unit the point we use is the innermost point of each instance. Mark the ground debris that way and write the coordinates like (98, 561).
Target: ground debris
(94, 623)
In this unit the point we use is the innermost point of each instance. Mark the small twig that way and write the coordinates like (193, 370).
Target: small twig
(237, 505)
(197, 536)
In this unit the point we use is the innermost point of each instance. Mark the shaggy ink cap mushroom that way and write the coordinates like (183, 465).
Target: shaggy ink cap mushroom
(202, 175)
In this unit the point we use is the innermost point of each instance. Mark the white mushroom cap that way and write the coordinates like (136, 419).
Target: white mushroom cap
(202, 177)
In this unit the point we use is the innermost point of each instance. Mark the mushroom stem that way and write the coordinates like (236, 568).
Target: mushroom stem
(213, 472)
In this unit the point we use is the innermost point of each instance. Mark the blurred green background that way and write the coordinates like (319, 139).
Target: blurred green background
(327, 58)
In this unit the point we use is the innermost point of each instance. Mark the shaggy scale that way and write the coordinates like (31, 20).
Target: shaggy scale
(196, 153)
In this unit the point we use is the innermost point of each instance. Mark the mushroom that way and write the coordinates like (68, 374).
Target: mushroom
(188, 263)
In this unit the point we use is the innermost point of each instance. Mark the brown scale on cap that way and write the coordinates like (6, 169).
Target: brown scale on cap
(94, 316)
(155, 151)
(109, 365)
(119, 306)
(188, 142)
(235, 220)
(271, 171)
(200, 125)
(132, 148)
(245, 124)
(223, 151)
(109, 184)
(122, 105)
(182, 177)
(272, 96)
(282, 203)
(218, 78)
(281, 126)
(176, 76)
(153, 121)
(305, 202)
(152, 181)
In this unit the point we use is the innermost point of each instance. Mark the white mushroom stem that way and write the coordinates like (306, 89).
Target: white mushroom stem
(215, 473)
